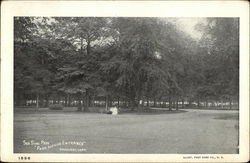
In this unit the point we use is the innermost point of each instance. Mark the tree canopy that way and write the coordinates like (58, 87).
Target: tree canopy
(129, 59)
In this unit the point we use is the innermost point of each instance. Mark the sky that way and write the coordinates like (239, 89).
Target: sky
(188, 25)
(185, 24)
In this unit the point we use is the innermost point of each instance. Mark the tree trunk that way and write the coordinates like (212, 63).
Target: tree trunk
(86, 101)
(69, 102)
(160, 103)
(177, 108)
(136, 103)
(79, 105)
(37, 100)
(182, 103)
(47, 101)
(230, 103)
(127, 103)
(133, 104)
(170, 104)
(41, 99)
(118, 102)
(54, 101)
(93, 100)
(106, 103)
(154, 102)
(65, 101)
(189, 103)
(58, 99)
(206, 104)
(110, 103)
(141, 105)
(88, 46)
(81, 47)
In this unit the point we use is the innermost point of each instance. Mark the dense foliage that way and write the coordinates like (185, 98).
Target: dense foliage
(79, 61)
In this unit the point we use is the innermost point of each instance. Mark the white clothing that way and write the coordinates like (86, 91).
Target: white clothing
(114, 110)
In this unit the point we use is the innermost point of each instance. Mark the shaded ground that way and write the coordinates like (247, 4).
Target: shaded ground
(191, 132)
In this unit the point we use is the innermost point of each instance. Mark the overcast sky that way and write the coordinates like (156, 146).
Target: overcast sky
(185, 24)
(188, 25)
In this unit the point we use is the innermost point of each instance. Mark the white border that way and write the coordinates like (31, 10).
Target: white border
(121, 8)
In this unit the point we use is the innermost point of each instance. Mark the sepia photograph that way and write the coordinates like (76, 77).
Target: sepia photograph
(113, 83)
(126, 85)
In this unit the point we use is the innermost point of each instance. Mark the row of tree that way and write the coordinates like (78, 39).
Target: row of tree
(127, 60)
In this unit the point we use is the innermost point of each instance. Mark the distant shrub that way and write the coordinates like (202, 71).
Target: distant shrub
(101, 110)
(79, 108)
(146, 108)
(56, 107)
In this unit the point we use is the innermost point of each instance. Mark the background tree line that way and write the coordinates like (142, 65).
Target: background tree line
(129, 61)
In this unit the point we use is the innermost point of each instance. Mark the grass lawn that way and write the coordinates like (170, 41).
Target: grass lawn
(190, 132)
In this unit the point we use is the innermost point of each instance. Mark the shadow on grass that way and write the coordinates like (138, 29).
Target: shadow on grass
(211, 108)
(228, 117)
(95, 110)
(153, 112)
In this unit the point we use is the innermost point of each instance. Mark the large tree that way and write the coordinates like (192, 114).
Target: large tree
(221, 54)
(128, 59)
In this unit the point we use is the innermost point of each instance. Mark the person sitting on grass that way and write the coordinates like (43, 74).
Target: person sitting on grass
(113, 110)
